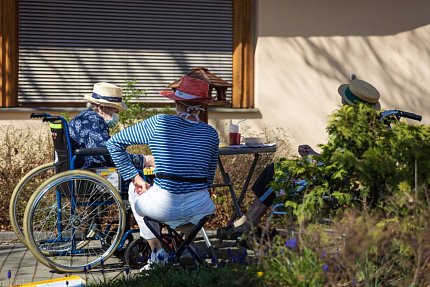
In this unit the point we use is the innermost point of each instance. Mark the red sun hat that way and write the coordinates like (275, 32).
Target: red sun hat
(190, 89)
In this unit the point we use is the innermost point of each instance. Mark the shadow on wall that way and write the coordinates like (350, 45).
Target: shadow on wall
(340, 17)
(310, 69)
(306, 49)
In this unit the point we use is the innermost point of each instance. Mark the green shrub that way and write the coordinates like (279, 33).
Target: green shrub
(363, 163)
(137, 110)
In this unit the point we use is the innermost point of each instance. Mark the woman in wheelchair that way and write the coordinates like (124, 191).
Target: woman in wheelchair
(186, 152)
(90, 128)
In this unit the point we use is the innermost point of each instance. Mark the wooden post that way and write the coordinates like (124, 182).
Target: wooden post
(243, 54)
(9, 53)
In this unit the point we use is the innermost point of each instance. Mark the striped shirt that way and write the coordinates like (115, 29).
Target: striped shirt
(180, 147)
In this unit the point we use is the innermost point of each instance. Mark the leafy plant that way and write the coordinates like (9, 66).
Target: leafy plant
(363, 162)
(373, 182)
(137, 110)
(292, 265)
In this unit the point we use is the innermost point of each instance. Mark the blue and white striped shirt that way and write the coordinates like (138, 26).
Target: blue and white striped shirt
(180, 147)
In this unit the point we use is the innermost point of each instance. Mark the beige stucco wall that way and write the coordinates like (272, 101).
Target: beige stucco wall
(305, 49)
(20, 117)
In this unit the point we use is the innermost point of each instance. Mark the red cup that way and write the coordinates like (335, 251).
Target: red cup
(234, 138)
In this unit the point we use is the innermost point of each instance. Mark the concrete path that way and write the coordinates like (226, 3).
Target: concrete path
(19, 266)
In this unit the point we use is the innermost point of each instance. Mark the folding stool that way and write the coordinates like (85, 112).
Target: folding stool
(175, 244)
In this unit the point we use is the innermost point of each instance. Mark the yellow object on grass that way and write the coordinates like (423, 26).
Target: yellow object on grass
(70, 281)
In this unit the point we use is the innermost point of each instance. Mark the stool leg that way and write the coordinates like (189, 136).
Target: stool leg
(214, 257)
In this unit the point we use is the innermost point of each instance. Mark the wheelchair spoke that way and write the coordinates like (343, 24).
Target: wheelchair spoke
(76, 219)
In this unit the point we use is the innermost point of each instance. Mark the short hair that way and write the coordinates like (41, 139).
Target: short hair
(91, 106)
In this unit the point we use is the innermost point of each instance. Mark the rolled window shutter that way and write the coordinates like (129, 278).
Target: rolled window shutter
(68, 45)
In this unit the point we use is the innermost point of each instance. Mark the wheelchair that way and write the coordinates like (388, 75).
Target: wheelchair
(77, 219)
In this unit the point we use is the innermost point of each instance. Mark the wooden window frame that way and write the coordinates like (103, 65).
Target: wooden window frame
(9, 53)
(243, 53)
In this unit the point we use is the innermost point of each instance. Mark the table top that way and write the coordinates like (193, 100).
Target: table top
(247, 149)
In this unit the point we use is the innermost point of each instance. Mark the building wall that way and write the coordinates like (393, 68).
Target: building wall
(306, 49)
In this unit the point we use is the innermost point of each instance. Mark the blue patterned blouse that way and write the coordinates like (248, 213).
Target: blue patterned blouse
(89, 130)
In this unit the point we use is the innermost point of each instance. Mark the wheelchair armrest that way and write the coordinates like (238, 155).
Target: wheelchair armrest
(91, 151)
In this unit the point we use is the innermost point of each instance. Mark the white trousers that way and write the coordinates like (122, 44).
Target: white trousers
(173, 209)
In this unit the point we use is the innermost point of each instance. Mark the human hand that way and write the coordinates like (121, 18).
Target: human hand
(306, 150)
(149, 161)
(140, 186)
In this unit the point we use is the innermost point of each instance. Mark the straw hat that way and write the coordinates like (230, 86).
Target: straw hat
(106, 94)
(190, 89)
(359, 91)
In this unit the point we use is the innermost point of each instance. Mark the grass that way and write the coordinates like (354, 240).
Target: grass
(175, 276)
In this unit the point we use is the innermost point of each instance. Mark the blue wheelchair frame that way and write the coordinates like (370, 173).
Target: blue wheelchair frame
(71, 160)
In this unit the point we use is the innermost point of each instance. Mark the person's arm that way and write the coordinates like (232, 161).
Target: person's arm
(140, 185)
(140, 133)
(214, 160)
(149, 161)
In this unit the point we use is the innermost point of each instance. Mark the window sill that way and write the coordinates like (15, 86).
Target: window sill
(230, 113)
(214, 112)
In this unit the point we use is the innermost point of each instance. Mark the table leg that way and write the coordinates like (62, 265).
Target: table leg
(248, 178)
(227, 182)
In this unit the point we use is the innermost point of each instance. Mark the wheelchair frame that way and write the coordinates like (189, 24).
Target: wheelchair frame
(57, 243)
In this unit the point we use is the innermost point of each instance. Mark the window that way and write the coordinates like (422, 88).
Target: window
(67, 45)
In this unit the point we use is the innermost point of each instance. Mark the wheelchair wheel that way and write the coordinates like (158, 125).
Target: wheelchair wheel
(137, 253)
(21, 194)
(74, 220)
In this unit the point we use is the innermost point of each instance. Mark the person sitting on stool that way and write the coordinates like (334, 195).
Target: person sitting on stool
(186, 153)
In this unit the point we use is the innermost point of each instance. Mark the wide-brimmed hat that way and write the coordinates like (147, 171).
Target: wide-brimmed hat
(360, 91)
(106, 94)
(190, 89)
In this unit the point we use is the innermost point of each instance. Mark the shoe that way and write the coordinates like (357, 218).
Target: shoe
(231, 232)
(187, 259)
(234, 231)
(243, 228)
(160, 257)
(147, 267)
(227, 233)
